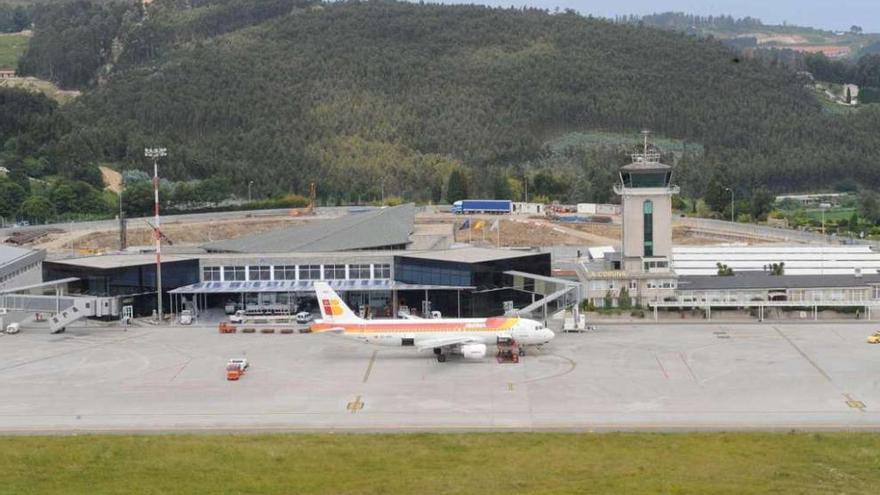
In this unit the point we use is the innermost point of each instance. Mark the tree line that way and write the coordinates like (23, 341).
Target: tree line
(424, 102)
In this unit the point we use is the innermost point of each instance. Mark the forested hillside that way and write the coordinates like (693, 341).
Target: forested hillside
(395, 98)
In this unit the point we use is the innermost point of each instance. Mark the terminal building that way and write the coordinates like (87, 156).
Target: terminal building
(373, 258)
(19, 266)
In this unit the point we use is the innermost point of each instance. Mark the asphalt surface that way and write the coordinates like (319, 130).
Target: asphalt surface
(183, 218)
(623, 377)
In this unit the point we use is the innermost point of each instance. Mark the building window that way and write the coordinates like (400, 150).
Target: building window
(285, 272)
(334, 272)
(382, 271)
(648, 210)
(309, 272)
(231, 273)
(211, 274)
(359, 272)
(261, 272)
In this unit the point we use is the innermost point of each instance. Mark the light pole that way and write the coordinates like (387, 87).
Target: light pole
(155, 154)
(732, 204)
(249, 190)
(823, 207)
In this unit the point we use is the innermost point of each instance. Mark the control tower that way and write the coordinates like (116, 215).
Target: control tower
(646, 190)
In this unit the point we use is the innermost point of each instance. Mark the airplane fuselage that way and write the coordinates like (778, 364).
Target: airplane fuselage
(411, 332)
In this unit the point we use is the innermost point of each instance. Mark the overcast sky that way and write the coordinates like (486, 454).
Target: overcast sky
(833, 15)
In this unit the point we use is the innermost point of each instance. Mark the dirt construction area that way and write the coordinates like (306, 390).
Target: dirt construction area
(657, 377)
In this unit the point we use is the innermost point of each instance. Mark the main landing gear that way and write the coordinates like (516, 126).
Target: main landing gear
(441, 358)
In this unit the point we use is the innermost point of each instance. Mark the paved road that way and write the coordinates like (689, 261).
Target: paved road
(189, 217)
(641, 377)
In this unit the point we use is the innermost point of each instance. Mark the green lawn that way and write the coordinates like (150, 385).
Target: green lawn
(12, 45)
(831, 215)
(502, 463)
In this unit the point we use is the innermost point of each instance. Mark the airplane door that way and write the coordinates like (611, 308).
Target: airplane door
(408, 340)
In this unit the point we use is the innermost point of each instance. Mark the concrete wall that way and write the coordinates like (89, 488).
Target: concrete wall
(633, 224)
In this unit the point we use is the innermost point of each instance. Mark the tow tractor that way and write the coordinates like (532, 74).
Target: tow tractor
(874, 338)
(236, 367)
(509, 350)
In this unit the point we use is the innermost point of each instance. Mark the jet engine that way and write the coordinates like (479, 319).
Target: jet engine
(473, 351)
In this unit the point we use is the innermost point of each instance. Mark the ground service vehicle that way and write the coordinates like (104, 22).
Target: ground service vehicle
(241, 317)
(874, 338)
(186, 317)
(236, 367)
(466, 206)
(303, 317)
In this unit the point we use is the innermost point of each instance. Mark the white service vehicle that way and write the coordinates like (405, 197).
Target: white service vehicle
(186, 317)
(303, 317)
(240, 362)
(13, 328)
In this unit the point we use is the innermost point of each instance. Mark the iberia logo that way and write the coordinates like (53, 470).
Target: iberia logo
(332, 307)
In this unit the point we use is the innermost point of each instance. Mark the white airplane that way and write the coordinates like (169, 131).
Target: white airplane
(466, 336)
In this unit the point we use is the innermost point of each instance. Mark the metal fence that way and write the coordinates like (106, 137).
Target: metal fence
(766, 231)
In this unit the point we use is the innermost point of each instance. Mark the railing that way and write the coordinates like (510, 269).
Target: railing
(767, 231)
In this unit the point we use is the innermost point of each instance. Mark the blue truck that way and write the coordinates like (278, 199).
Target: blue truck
(482, 206)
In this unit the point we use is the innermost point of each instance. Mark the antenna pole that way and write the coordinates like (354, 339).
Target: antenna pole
(155, 154)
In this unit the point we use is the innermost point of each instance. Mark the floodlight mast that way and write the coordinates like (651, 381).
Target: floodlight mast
(155, 154)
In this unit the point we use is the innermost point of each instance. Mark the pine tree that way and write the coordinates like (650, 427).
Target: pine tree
(457, 187)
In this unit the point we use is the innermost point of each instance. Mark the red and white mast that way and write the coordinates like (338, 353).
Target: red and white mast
(155, 154)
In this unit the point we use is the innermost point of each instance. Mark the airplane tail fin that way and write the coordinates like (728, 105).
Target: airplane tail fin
(333, 309)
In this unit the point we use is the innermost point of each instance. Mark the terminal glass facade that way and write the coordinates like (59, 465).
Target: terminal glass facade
(493, 286)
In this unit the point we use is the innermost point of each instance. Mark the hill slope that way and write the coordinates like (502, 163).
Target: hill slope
(365, 97)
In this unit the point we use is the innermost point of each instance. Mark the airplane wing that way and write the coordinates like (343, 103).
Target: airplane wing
(331, 331)
(424, 345)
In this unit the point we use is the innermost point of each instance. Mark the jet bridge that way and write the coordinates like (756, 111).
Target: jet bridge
(549, 289)
(65, 309)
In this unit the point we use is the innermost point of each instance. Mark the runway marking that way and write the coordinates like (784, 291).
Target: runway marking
(855, 404)
(356, 405)
(510, 387)
(688, 366)
(804, 355)
(661, 366)
(180, 370)
(572, 366)
(71, 351)
(370, 366)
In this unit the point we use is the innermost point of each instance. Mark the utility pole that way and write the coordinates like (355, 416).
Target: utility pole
(155, 154)
(249, 190)
(732, 204)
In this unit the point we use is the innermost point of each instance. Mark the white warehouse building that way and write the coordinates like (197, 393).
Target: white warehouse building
(799, 260)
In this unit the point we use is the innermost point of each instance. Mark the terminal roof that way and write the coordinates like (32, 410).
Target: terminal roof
(469, 254)
(110, 261)
(8, 254)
